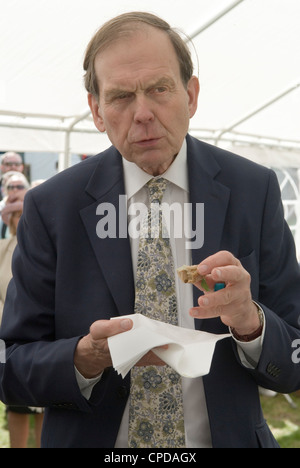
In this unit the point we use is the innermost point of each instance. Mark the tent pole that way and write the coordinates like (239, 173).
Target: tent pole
(214, 19)
(255, 112)
(65, 162)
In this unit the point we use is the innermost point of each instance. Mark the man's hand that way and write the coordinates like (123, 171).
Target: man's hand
(233, 304)
(92, 354)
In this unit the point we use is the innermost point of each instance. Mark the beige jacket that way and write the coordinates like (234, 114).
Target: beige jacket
(7, 247)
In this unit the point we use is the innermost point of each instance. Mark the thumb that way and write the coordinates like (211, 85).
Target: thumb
(105, 328)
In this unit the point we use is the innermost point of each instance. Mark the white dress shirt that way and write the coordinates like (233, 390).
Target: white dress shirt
(197, 426)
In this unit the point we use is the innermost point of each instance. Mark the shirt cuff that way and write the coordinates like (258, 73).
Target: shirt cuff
(250, 352)
(86, 385)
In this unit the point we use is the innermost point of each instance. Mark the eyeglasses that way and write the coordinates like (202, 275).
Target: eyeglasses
(16, 187)
(11, 164)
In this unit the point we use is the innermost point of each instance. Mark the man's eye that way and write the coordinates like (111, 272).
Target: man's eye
(118, 97)
(124, 96)
(157, 91)
(160, 90)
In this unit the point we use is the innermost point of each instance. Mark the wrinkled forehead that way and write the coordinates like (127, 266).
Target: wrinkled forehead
(146, 50)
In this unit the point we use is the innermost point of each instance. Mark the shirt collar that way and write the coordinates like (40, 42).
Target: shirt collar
(135, 178)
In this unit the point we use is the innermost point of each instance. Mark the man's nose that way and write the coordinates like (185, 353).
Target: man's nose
(143, 112)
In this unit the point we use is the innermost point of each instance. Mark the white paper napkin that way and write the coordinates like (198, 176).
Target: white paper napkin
(190, 352)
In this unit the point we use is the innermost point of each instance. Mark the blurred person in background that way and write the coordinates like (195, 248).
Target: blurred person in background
(7, 247)
(15, 188)
(9, 161)
(18, 418)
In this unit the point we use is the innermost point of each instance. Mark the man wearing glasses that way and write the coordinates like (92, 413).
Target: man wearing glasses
(10, 161)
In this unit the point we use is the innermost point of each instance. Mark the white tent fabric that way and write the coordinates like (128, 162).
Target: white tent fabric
(246, 52)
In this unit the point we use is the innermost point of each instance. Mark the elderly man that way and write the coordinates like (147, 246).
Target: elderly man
(71, 277)
(10, 161)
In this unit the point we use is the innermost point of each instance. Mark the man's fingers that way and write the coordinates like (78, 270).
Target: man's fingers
(105, 328)
(230, 274)
(219, 259)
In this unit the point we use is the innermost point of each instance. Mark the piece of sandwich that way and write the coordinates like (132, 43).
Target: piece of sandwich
(189, 274)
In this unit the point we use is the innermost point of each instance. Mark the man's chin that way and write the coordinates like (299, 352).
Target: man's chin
(155, 163)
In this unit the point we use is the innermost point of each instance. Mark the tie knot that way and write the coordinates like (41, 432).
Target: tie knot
(157, 188)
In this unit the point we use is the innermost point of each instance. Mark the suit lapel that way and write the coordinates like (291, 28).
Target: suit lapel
(113, 254)
(204, 188)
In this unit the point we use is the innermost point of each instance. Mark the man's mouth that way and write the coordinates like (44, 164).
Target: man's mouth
(147, 142)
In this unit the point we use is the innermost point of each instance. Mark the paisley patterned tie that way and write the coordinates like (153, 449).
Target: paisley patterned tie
(156, 408)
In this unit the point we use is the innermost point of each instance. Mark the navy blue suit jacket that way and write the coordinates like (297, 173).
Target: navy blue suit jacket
(65, 278)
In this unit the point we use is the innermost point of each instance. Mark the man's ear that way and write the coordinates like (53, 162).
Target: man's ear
(193, 93)
(95, 109)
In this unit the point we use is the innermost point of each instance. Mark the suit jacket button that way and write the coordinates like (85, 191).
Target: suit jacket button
(122, 392)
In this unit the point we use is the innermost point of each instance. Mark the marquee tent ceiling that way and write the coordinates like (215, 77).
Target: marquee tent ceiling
(246, 53)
